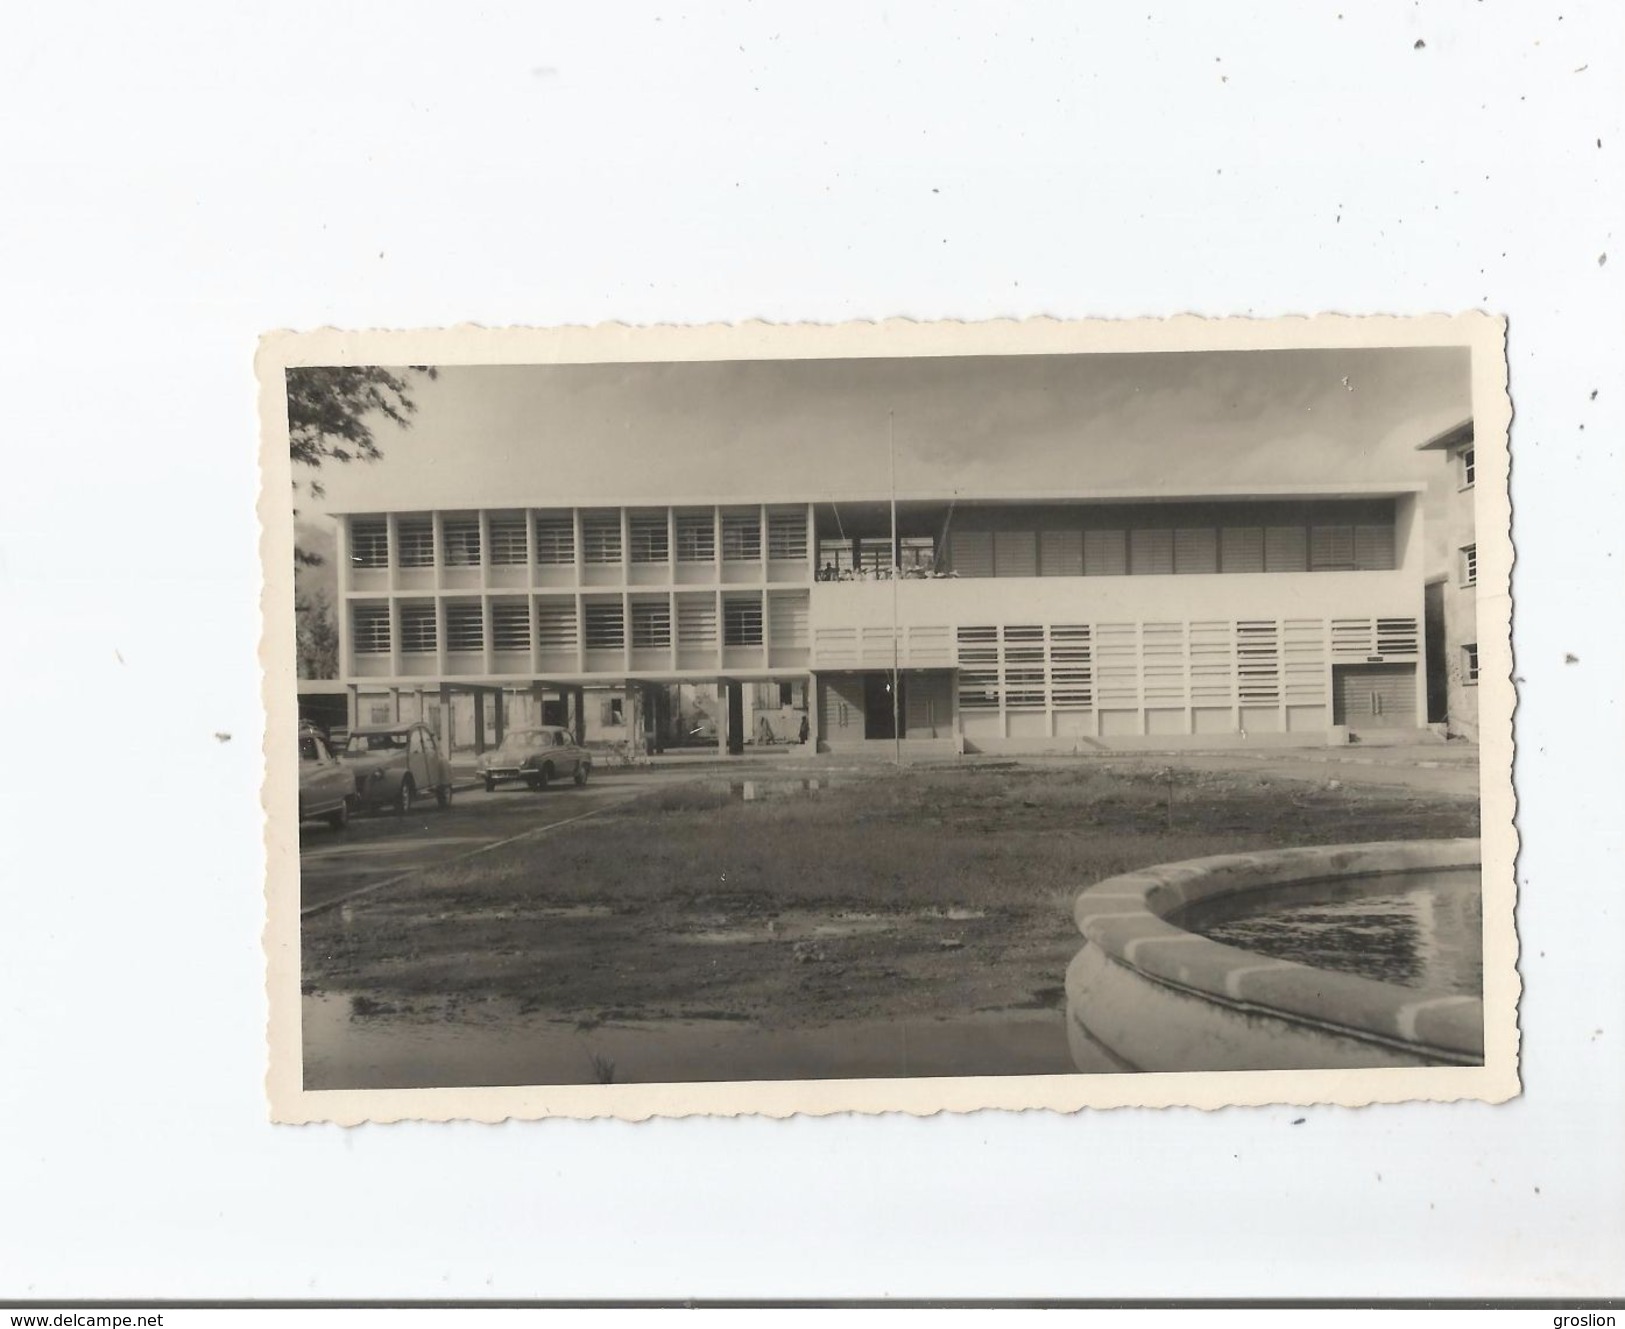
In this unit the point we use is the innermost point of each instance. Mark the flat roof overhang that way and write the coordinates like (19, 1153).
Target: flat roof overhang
(1453, 437)
(962, 498)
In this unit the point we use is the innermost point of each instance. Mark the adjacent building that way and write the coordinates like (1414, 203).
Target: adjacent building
(1455, 591)
(934, 623)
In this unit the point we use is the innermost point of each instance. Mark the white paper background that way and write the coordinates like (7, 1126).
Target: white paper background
(178, 180)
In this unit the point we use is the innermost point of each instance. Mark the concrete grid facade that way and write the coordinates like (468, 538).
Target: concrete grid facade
(941, 623)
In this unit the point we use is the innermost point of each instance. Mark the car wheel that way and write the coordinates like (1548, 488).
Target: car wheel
(442, 796)
(404, 796)
(544, 777)
(582, 772)
(490, 785)
(339, 817)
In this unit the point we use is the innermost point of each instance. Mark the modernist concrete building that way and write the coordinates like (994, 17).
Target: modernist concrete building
(1457, 589)
(932, 622)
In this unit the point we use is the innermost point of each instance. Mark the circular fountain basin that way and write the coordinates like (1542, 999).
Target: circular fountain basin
(1337, 956)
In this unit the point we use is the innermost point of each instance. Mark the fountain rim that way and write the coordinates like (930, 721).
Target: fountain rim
(1127, 918)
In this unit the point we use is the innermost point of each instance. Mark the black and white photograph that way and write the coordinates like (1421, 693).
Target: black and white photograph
(858, 656)
(919, 716)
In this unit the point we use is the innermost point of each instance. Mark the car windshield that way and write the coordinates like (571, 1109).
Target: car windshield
(360, 744)
(527, 740)
(308, 750)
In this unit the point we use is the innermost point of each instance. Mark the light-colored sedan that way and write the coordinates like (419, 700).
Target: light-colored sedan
(326, 789)
(536, 756)
(393, 767)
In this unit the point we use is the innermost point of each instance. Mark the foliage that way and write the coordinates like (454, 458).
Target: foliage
(329, 406)
(331, 410)
(316, 636)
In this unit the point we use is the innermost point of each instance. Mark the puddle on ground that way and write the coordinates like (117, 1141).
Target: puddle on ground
(368, 1045)
(816, 927)
(790, 927)
(759, 791)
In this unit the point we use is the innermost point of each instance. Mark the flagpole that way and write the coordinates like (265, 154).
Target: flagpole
(896, 682)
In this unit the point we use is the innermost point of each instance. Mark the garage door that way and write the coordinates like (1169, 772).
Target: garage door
(1375, 696)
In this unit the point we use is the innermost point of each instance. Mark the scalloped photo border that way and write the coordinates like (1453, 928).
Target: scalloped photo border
(1497, 1080)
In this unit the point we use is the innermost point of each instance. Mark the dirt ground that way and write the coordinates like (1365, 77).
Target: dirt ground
(924, 892)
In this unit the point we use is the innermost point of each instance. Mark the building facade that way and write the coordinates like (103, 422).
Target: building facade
(930, 623)
(1457, 593)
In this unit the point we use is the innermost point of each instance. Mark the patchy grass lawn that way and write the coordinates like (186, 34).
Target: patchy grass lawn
(914, 892)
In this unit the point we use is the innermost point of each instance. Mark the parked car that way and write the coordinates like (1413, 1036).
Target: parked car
(392, 767)
(536, 756)
(326, 788)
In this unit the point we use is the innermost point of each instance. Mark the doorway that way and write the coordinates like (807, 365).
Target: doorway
(879, 715)
(1374, 696)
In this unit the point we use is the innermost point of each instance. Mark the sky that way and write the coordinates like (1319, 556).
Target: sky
(538, 435)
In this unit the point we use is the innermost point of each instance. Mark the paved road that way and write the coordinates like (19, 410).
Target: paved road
(381, 846)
